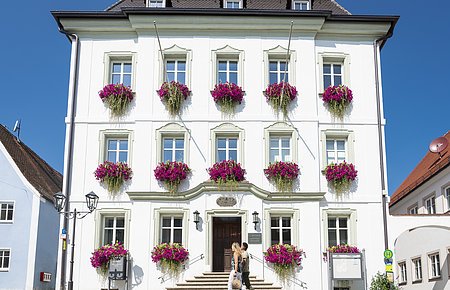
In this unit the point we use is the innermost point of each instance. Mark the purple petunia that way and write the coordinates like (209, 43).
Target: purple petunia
(171, 173)
(173, 95)
(113, 174)
(117, 97)
(340, 175)
(283, 174)
(337, 98)
(100, 258)
(280, 95)
(227, 95)
(226, 171)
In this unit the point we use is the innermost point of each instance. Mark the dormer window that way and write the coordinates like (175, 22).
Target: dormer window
(156, 3)
(232, 4)
(300, 5)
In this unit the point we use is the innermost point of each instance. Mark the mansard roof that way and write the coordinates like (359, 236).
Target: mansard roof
(46, 180)
(321, 5)
(428, 167)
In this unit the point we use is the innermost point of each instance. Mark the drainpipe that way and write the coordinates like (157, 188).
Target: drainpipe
(377, 45)
(68, 156)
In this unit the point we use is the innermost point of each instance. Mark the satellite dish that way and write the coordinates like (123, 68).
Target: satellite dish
(438, 145)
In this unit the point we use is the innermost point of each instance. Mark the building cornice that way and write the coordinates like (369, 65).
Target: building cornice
(207, 187)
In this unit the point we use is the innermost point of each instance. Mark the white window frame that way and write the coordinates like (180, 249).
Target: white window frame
(281, 129)
(414, 209)
(338, 228)
(227, 148)
(279, 72)
(7, 202)
(105, 135)
(171, 130)
(337, 58)
(172, 227)
(279, 53)
(402, 273)
(417, 269)
(114, 228)
(279, 147)
(281, 212)
(114, 57)
(177, 212)
(225, 2)
(175, 71)
(163, 4)
(227, 130)
(280, 228)
(335, 149)
(351, 224)
(5, 269)
(332, 134)
(228, 71)
(173, 148)
(174, 53)
(432, 200)
(308, 5)
(100, 214)
(117, 150)
(227, 53)
(332, 74)
(432, 265)
(447, 196)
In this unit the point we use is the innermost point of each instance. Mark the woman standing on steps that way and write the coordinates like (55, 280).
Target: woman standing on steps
(236, 270)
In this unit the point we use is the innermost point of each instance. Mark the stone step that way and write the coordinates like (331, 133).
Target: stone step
(219, 280)
(225, 283)
(220, 288)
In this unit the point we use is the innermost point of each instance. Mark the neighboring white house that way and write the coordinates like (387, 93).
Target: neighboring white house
(29, 223)
(244, 42)
(419, 225)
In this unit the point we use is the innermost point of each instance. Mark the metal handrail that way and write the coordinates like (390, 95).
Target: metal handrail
(293, 280)
(191, 261)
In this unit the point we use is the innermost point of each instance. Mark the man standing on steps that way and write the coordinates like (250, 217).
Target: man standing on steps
(245, 266)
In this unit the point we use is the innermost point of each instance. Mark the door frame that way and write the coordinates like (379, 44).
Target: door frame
(209, 230)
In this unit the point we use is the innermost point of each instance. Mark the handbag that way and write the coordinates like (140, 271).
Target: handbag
(236, 283)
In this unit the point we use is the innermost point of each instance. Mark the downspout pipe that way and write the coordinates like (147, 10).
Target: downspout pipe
(377, 45)
(68, 156)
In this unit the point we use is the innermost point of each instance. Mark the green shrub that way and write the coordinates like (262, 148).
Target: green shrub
(380, 282)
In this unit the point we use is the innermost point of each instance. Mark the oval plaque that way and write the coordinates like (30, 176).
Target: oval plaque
(226, 201)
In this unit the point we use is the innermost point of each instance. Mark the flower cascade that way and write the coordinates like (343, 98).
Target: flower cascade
(100, 257)
(344, 249)
(337, 98)
(227, 172)
(173, 95)
(227, 95)
(283, 174)
(171, 173)
(285, 259)
(280, 95)
(117, 97)
(340, 175)
(170, 257)
(113, 174)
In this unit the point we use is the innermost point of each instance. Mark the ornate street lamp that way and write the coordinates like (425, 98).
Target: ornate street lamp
(255, 218)
(91, 202)
(196, 218)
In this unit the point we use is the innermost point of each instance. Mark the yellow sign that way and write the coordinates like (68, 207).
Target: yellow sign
(389, 268)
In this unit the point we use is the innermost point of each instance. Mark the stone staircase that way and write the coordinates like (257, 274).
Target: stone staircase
(219, 281)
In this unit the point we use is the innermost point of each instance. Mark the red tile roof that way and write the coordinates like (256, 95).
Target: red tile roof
(429, 166)
(42, 176)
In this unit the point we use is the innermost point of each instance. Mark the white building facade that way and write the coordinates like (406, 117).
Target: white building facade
(253, 43)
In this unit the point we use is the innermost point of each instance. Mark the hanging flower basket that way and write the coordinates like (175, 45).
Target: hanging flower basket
(170, 258)
(280, 95)
(173, 94)
(337, 99)
(340, 176)
(171, 173)
(228, 96)
(113, 175)
(282, 174)
(285, 259)
(100, 257)
(341, 249)
(227, 172)
(117, 97)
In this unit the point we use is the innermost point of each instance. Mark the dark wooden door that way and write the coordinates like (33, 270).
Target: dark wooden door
(226, 230)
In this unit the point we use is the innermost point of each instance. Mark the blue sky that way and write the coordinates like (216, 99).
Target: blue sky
(415, 68)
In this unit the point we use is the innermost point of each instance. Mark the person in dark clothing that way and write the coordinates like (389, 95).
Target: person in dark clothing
(245, 266)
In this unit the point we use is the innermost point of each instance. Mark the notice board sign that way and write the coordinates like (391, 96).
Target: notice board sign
(346, 266)
(254, 238)
(117, 268)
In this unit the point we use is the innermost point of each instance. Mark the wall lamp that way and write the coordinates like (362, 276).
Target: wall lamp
(196, 218)
(255, 218)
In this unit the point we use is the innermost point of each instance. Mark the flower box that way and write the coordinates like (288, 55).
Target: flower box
(337, 99)
(340, 176)
(228, 96)
(285, 259)
(117, 97)
(171, 173)
(282, 174)
(227, 172)
(170, 257)
(280, 95)
(173, 94)
(113, 175)
(102, 256)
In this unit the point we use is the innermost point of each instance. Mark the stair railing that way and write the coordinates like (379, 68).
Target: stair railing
(164, 277)
(294, 280)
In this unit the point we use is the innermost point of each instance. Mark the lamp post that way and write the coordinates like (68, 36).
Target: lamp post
(91, 202)
(255, 218)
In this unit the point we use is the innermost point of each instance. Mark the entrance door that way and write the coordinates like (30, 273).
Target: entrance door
(226, 230)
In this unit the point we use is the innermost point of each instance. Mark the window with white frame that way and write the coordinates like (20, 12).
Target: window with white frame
(414, 209)
(300, 5)
(447, 196)
(227, 70)
(113, 229)
(173, 149)
(336, 150)
(280, 230)
(334, 69)
(227, 148)
(117, 149)
(430, 205)
(402, 273)
(417, 269)
(5, 257)
(280, 148)
(332, 74)
(156, 3)
(172, 143)
(278, 70)
(435, 265)
(6, 211)
(338, 230)
(232, 4)
(121, 72)
(175, 70)
(171, 229)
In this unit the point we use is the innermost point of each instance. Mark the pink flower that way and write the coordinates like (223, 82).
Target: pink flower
(227, 171)
(171, 173)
